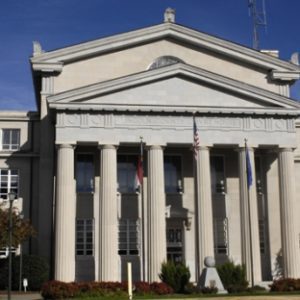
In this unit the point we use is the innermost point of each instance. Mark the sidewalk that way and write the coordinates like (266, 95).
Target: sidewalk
(23, 296)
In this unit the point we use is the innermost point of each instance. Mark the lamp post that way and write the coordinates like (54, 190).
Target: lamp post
(21, 262)
(11, 198)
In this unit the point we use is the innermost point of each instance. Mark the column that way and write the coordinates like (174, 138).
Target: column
(289, 236)
(204, 215)
(65, 215)
(109, 267)
(156, 213)
(249, 219)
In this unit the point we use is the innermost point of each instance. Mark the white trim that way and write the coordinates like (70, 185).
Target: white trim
(162, 31)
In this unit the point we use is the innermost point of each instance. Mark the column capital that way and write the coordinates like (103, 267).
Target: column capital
(65, 145)
(285, 149)
(155, 147)
(107, 146)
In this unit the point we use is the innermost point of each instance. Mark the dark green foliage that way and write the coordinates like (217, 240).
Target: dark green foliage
(176, 276)
(233, 277)
(35, 269)
(285, 285)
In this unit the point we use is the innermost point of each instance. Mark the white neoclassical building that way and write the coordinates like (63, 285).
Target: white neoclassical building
(74, 161)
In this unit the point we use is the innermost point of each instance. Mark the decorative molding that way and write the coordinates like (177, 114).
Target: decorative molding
(285, 75)
(47, 66)
(211, 123)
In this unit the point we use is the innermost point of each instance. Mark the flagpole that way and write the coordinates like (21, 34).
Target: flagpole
(143, 227)
(195, 147)
(249, 211)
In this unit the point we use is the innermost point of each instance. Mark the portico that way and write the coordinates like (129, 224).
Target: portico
(103, 96)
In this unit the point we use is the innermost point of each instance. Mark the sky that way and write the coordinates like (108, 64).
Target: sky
(59, 23)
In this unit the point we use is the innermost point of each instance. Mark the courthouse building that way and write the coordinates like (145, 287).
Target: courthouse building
(74, 161)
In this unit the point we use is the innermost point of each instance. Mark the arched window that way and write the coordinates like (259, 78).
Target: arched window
(163, 61)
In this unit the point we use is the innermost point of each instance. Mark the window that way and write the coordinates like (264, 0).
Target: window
(9, 182)
(85, 173)
(174, 244)
(84, 237)
(163, 61)
(10, 139)
(129, 237)
(172, 170)
(221, 235)
(127, 166)
(217, 174)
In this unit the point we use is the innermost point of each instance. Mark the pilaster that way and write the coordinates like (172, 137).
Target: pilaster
(65, 215)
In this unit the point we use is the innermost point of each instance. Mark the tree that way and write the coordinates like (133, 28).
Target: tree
(21, 228)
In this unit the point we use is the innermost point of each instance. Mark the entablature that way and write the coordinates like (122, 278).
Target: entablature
(175, 129)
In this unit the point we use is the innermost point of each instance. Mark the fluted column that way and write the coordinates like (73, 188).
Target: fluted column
(156, 212)
(249, 220)
(108, 223)
(65, 215)
(204, 215)
(289, 235)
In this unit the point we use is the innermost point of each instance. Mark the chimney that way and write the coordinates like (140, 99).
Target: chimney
(169, 16)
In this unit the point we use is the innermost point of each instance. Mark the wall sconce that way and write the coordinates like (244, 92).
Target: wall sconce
(188, 223)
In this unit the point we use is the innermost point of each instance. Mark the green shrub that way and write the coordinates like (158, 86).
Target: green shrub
(176, 276)
(35, 269)
(233, 277)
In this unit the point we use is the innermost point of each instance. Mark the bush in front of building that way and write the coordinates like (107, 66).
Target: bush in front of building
(142, 288)
(34, 268)
(176, 275)
(233, 277)
(285, 285)
(61, 290)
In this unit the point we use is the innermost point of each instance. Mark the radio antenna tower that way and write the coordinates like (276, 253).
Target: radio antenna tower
(257, 10)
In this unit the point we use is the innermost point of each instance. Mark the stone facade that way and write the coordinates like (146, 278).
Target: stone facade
(77, 158)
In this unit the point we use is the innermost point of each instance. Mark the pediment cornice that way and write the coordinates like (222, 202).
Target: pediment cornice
(162, 31)
(81, 98)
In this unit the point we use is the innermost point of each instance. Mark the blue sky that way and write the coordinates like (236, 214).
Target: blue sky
(58, 23)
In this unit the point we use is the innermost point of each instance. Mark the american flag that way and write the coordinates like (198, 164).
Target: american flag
(196, 143)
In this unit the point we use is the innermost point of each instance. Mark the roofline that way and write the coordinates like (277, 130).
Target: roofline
(16, 115)
(178, 69)
(177, 109)
(157, 32)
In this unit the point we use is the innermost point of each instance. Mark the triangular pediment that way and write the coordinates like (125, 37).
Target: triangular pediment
(177, 87)
(191, 38)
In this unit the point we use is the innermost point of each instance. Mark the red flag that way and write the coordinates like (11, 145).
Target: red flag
(139, 170)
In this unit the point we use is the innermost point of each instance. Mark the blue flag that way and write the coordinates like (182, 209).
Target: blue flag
(248, 167)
